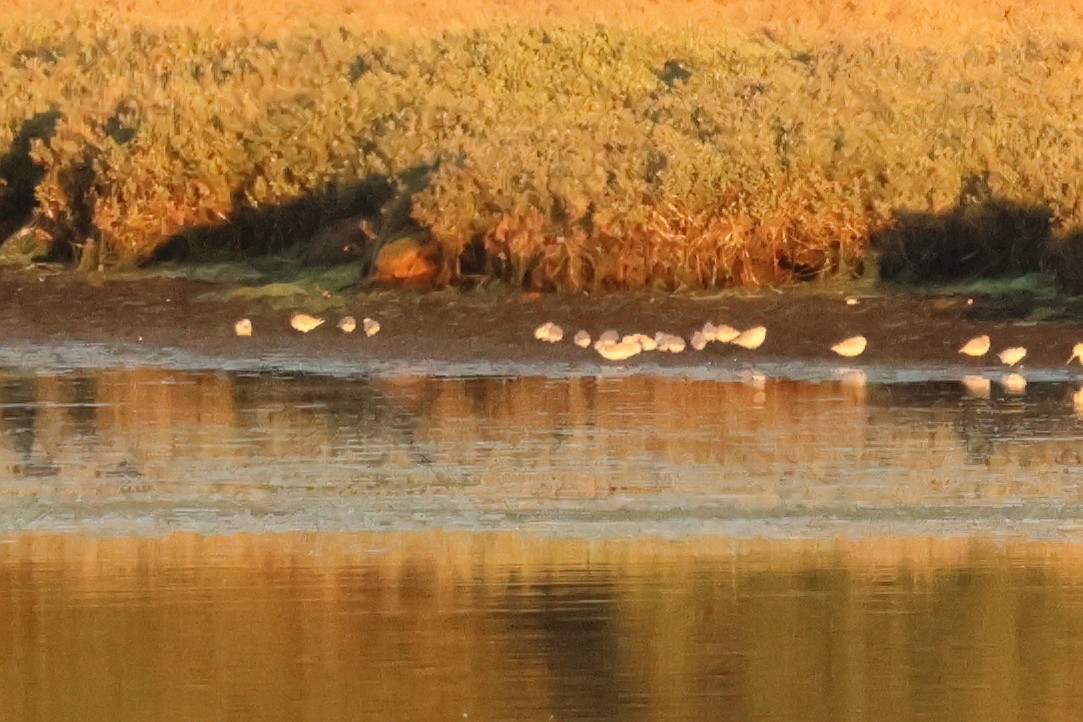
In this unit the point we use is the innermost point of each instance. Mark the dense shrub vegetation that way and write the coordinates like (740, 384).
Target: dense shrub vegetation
(556, 156)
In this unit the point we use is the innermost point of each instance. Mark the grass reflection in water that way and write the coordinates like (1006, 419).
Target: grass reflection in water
(437, 625)
(315, 452)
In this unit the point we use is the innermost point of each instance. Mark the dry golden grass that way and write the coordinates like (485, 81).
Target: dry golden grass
(678, 145)
(914, 22)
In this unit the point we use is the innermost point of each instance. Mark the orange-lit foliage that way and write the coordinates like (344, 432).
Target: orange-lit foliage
(686, 145)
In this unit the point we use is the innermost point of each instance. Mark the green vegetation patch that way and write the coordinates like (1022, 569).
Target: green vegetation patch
(313, 289)
(578, 157)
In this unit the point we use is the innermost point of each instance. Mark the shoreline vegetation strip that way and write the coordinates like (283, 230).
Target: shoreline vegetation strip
(586, 155)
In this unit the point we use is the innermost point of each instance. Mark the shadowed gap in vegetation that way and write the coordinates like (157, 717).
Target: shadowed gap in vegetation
(348, 223)
(20, 175)
(1066, 258)
(982, 236)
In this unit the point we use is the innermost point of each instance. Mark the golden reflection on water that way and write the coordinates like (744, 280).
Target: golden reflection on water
(438, 625)
(167, 436)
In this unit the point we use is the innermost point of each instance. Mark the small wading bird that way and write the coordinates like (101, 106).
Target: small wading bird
(243, 327)
(668, 342)
(608, 336)
(977, 346)
(1012, 356)
(304, 323)
(549, 332)
(371, 326)
(1077, 353)
(347, 324)
(725, 334)
(722, 333)
(646, 343)
(582, 339)
(852, 346)
(699, 340)
(617, 350)
(751, 339)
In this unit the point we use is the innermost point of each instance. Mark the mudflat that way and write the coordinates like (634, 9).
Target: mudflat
(133, 317)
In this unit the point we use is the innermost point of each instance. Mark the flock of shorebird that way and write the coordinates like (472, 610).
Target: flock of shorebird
(612, 346)
(304, 323)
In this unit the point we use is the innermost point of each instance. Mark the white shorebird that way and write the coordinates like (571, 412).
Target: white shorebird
(608, 336)
(852, 346)
(582, 339)
(722, 333)
(646, 343)
(549, 332)
(1012, 356)
(618, 350)
(1077, 353)
(243, 328)
(347, 324)
(977, 346)
(371, 326)
(725, 334)
(752, 338)
(669, 342)
(699, 340)
(304, 323)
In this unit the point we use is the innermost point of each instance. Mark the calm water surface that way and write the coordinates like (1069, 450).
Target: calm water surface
(495, 626)
(185, 545)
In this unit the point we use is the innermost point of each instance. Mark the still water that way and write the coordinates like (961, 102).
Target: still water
(188, 545)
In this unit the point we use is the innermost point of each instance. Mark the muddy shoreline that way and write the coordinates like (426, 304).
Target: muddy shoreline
(50, 316)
